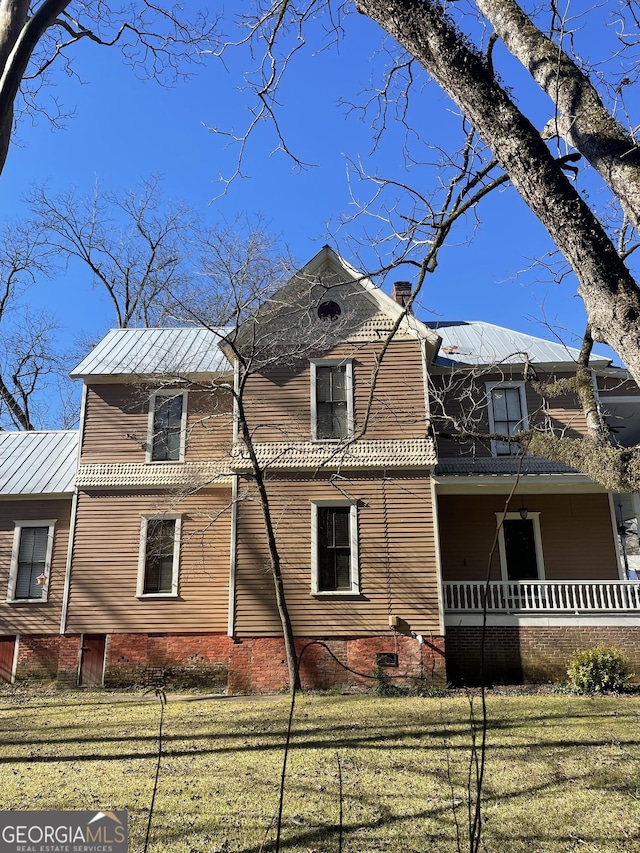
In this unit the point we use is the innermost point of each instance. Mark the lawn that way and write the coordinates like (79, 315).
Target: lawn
(563, 772)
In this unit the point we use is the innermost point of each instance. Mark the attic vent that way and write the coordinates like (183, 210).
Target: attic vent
(329, 310)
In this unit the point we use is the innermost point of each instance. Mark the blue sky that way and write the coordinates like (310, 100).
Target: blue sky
(124, 129)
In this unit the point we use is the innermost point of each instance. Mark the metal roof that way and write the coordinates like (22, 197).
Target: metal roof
(475, 342)
(508, 465)
(146, 352)
(37, 463)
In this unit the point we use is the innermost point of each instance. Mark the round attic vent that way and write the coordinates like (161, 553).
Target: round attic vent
(329, 310)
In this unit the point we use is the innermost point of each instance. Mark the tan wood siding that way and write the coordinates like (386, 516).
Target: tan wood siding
(278, 401)
(396, 549)
(105, 564)
(116, 422)
(34, 617)
(617, 387)
(462, 399)
(576, 533)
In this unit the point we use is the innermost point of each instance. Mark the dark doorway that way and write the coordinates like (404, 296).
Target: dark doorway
(520, 548)
(92, 660)
(7, 653)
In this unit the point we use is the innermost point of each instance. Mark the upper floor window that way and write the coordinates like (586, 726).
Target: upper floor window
(167, 426)
(334, 543)
(507, 414)
(31, 560)
(159, 555)
(331, 400)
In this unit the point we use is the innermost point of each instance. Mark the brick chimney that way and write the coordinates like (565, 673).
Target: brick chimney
(401, 292)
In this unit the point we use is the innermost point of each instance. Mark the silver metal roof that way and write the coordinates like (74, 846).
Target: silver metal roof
(474, 343)
(147, 352)
(37, 463)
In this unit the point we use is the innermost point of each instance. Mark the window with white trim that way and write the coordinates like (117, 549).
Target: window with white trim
(334, 548)
(507, 406)
(159, 556)
(167, 426)
(331, 400)
(31, 560)
(520, 546)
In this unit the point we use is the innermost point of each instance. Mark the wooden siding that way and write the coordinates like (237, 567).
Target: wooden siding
(34, 617)
(617, 387)
(576, 533)
(396, 549)
(462, 397)
(278, 401)
(116, 422)
(105, 564)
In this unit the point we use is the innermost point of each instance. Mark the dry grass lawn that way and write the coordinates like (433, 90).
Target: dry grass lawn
(563, 772)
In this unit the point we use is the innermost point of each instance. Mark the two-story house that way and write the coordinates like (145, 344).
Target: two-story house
(386, 538)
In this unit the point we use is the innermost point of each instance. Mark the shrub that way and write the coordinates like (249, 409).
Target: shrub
(597, 670)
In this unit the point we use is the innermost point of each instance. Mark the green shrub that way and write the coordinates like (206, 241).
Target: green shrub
(597, 670)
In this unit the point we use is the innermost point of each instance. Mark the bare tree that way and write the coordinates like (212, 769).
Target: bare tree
(157, 42)
(456, 45)
(30, 361)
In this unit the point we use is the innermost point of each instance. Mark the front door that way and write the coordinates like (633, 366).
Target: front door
(92, 660)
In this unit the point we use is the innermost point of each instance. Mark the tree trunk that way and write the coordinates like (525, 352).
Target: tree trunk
(582, 119)
(610, 294)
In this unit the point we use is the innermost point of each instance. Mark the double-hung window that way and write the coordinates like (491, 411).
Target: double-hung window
(331, 400)
(167, 426)
(507, 414)
(159, 556)
(334, 548)
(31, 560)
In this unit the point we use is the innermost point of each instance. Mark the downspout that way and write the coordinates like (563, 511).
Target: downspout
(231, 615)
(72, 521)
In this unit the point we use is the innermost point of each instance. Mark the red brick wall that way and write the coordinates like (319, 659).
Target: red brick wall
(515, 655)
(259, 664)
(215, 662)
(38, 657)
(175, 660)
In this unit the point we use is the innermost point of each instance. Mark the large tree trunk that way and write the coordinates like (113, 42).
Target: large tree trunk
(581, 119)
(19, 36)
(610, 294)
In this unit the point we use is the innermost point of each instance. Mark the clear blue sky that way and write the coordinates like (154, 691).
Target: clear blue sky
(125, 128)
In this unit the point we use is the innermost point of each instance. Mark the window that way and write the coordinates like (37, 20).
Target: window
(334, 548)
(507, 414)
(167, 426)
(331, 400)
(31, 561)
(520, 547)
(159, 556)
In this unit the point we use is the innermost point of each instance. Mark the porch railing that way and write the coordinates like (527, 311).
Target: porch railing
(543, 596)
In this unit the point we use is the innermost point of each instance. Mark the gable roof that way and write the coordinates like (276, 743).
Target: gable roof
(367, 313)
(38, 463)
(473, 343)
(148, 352)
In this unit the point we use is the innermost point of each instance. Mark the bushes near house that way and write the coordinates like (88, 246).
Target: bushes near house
(598, 670)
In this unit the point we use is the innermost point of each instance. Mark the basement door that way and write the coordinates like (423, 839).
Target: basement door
(92, 660)
(7, 652)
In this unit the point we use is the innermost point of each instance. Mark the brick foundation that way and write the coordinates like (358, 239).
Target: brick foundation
(38, 657)
(516, 655)
(167, 660)
(258, 664)
(248, 665)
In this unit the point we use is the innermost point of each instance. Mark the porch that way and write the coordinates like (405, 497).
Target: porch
(548, 597)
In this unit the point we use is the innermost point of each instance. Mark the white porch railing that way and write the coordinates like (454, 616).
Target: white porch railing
(543, 596)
